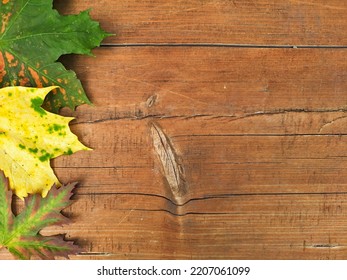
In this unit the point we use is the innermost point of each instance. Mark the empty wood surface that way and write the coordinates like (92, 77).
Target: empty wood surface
(212, 138)
(280, 22)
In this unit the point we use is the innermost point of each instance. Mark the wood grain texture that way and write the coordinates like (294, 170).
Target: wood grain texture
(211, 151)
(257, 22)
(211, 81)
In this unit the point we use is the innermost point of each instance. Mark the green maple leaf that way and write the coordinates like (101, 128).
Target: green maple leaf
(32, 37)
(21, 234)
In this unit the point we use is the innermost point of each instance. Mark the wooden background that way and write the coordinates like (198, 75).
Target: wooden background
(219, 131)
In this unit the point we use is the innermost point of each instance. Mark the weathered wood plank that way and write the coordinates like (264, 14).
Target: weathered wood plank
(288, 142)
(235, 227)
(265, 180)
(259, 22)
(214, 162)
(265, 176)
(186, 82)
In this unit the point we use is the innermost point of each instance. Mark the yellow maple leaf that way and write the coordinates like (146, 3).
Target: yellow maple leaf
(29, 138)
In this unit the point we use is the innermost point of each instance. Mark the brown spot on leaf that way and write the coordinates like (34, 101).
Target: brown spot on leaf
(11, 59)
(24, 82)
(4, 20)
(45, 79)
(2, 61)
(63, 92)
(14, 63)
(5, 1)
(2, 67)
(23, 79)
(22, 71)
(35, 77)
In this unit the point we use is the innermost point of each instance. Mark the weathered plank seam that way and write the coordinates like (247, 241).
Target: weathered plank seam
(216, 197)
(221, 45)
(188, 213)
(234, 117)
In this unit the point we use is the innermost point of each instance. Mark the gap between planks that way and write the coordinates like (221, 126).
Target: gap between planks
(209, 45)
(211, 197)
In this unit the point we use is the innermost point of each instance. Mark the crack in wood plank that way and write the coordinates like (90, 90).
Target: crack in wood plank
(219, 45)
(324, 246)
(331, 123)
(172, 170)
(232, 117)
(95, 254)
